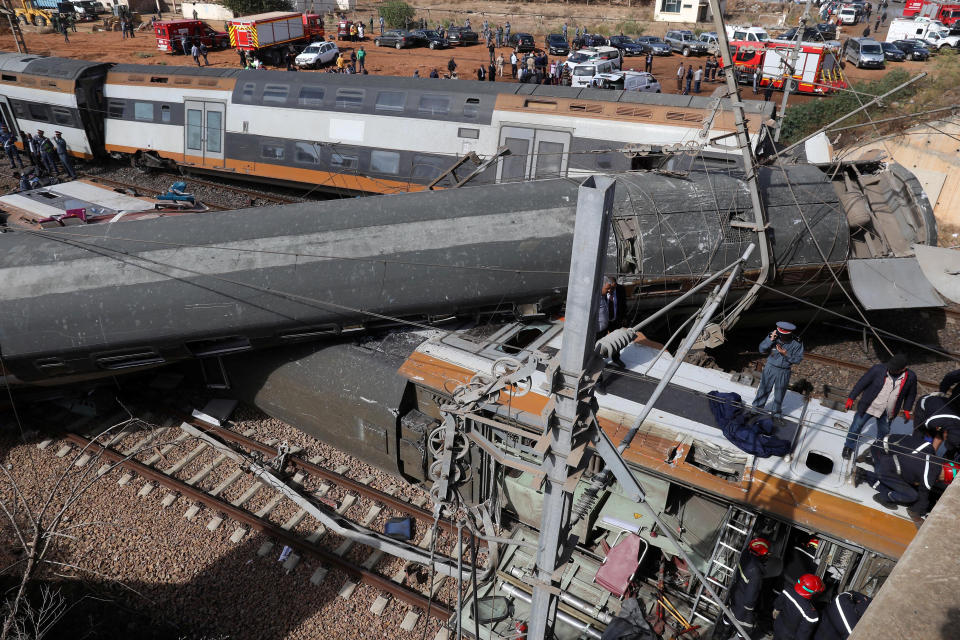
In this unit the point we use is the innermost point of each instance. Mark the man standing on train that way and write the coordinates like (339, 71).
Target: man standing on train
(887, 390)
(785, 351)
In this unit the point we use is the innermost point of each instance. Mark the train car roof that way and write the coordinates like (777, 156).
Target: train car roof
(157, 70)
(66, 68)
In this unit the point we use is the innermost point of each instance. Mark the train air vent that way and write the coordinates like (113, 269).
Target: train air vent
(159, 79)
(207, 82)
(634, 112)
(133, 78)
(218, 346)
(310, 332)
(48, 365)
(127, 359)
(586, 108)
(6, 77)
(183, 81)
(679, 116)
(541, 105)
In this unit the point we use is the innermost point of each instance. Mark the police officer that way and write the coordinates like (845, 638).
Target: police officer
(10, 146)
(795, 617)
(745, 590)
(905, 470)
(61, 146)
(840, 617)
(46, 152)
(785, 351)
(800, 559)
(936, 411)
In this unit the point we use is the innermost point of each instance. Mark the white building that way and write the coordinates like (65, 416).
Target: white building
(684, 10)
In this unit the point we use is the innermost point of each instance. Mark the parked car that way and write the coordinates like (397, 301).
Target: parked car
(557, 45)
(810, 34)
(913, 49)
(596, 53)
(864, 52)
(827, 30)
(654, 45)
(462, 36)
(316, 55)
(430, 38)
(685, 43)
(398, 38)
(521, 42)
(626, 45)
(891, 53)
(848, 15)
(593, 40)
(710, 39)
(628, 81)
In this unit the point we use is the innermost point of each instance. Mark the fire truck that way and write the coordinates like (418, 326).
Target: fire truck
(817, 70)
(269, 35)
(947, 13)
(172, 34)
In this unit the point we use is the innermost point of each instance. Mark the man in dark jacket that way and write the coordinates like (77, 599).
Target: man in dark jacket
(745, 590)
(795, 616)
(799, 560)
(936, 411)
(904, 471)
(885, 390)
(950, 387)
(841, 616)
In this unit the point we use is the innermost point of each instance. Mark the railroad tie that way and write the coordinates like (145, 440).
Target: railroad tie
(347, 589)
(370, 516)
(187, 459)
(207, 470)
(410, 621)
(191, 512)
(143, 442)
(442, 634)
(165, 449)
(265, 548)
(64, 450)
(168, 499)
(103, 469)
(372, 560)
(214, 523)
(348, 501)
(146, 489)
(379, 604)
(318, 576)
(238, 534)
(220, 488)
(246, 495)
(44, 444)
(291, 562)
(319, 493)
(275, 500)
(82, 460)
(125, 479)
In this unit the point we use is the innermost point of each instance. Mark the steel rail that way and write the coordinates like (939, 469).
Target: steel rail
(400, 592)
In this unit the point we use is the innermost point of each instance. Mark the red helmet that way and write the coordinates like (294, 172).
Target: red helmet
(950, 471)
(759, 547)
(814, 542)
(808, 585)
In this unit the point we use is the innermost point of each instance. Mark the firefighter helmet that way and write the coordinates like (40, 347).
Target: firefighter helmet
(808, 585)
(759, 547)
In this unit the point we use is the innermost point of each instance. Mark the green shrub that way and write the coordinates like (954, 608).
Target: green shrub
(397, 14)
(251, 7)
(630, 28)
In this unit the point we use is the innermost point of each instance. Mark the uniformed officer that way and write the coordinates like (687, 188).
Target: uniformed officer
(785, 351)
(800, 559)
(46, 152)
(904, 470)
(10, 146)
(61, 146)
(840, 617)
(795, 617)
(745, 590)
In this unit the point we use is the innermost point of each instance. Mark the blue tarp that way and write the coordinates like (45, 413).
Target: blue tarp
(749, 432)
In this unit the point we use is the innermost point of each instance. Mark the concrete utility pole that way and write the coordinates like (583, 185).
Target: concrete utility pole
(743, 141)
(570, 380)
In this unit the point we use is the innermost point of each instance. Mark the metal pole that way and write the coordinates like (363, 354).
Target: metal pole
(594, 209)
(855, 111)
(788, 82)
(716, 297)
(743, 140)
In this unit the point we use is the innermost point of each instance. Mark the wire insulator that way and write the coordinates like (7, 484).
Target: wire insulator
(615, 342)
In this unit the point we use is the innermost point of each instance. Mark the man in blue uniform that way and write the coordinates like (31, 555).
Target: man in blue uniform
(785, 351)
(936, 411)
(795, 616)
(841, 616)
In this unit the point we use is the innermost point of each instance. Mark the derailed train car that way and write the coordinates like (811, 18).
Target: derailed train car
(97, 299)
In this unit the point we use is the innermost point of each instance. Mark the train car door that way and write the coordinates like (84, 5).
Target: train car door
(204, 132)
(6, 117)
(534, 153)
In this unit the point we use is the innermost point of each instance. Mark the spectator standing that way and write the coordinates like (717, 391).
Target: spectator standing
(564, 30)
(10, 146)
(481, 73)
(648, 67)
(506, 30)
(756, 81)
(434, 74)
(689, 76)
(452, 66)
(362, 59)
(513, 64)
(353, 62)
(491, 73)
(499, 36)
(697, 79)
(195, 52)
(491, 50)
(360, 31)
(243, 58)
(203, 52)
(381, 25)
(500, 65)
(61, 147)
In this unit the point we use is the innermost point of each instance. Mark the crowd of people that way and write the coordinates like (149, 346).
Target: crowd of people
(48, 158)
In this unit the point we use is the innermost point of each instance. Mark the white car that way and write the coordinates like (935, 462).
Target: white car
(628, 81)
(847, 15)
(316, 55)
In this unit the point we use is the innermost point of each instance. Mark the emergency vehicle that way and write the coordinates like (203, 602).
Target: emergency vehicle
(947, 13)
(171, 34)
(270, 35)
(817, 69)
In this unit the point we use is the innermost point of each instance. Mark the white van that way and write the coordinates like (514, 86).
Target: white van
(931, 31)
(747, 34)
(628, 81)
(583, 74)
(847, 15)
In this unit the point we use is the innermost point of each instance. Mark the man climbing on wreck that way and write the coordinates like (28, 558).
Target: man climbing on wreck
(785, 351)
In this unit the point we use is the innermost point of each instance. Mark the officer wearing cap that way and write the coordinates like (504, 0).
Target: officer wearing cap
(46, 152)
(61, 146)
(785, 351)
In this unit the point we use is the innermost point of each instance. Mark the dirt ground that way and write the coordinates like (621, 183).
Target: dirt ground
(111, 47)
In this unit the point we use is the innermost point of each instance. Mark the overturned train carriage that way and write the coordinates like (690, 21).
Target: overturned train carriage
(97, 299)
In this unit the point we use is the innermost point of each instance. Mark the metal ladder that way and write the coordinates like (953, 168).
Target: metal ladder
(735, 532)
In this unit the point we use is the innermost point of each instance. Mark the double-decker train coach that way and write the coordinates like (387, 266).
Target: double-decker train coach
(381, 134)
(54, 94)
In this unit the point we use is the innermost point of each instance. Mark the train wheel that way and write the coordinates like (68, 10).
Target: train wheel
(138, 162)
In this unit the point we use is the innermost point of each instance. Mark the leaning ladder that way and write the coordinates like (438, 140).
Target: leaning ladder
(735, 532)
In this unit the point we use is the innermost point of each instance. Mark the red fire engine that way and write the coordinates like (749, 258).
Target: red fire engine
(270, 35)
(817, 69)
(171, 34)
(948, 14)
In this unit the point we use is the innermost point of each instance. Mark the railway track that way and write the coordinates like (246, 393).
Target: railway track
(217, 487)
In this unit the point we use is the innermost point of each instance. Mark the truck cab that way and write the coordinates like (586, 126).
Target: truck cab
(86, 10)
(171, 34)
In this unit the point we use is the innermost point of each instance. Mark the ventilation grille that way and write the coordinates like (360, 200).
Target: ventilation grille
(634, 112)
(680, 116)
(586, 108)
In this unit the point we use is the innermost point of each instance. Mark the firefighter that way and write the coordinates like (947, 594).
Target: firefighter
(841, 616)
(795, 617)
(936, 411)
(800, 559)
(745, 590)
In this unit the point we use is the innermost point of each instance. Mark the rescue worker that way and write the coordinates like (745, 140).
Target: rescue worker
(745, 590)
(61, 146)
(934, 411)
(950, 387)
(800, 560)
(904, 471)
(785, 351)
(887, 389)
(46, 152)
(10, 147)
(795, 617)
(840, 617)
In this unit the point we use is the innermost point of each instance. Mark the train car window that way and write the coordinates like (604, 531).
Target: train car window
(306, 153)
(194, 128)
(310, 97)
(164, 113)
(471, 108)
(341, 161)
(391, 100)
(549, 156)
(349, 98)
(115, 108)
(428, 167)
(434, 105)
(276, 93)
(385, 162)
(249, 89)
(18, 109)
(272, 150)
(6, 77)
(38, 112)
(464, 132)
(159, 79)
(62, 116)
(143, 111)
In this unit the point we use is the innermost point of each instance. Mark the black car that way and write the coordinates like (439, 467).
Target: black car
(430, 38)
(892, 53)
(462, 36)
(827, 30)
(626, 45)
(810, 34)
(398, 38)
(912, 49)
(557, 45)
(593, 40)
(521, 42)
(654, 44)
